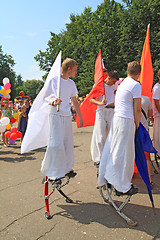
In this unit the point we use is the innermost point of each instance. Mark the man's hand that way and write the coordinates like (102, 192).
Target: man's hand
(104, 102)
(56, 102)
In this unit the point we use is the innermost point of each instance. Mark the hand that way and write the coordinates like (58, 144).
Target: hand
(104, 102)
(56, 102)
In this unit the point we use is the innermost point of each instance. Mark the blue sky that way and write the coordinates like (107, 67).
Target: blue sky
(26, 25)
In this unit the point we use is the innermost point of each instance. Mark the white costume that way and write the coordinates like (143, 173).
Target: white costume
(59, 157)
(117, 162)
(156, 115)
(102, 123)
(47, 127)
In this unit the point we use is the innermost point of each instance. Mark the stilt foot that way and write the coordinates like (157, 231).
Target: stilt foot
(68, 200)
(132, 223)
(48, 216)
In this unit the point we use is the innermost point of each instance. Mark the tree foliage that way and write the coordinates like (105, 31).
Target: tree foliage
(6, 70)
(118, 29)
(32, 87)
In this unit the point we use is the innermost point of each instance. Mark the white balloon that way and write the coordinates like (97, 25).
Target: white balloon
(5, 80)
(7, 96)
(14, 124)
(5, 121)
(2, 128)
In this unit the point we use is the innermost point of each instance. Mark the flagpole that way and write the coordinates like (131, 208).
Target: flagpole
(104, 96)
(58, 83)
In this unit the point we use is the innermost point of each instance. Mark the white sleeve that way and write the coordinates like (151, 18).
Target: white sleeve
(74, 90)
(136, 91)
(156, 93)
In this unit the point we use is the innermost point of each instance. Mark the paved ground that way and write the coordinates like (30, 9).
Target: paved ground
(22, 203)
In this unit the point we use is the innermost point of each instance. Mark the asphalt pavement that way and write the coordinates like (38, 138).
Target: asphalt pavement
(22, 207)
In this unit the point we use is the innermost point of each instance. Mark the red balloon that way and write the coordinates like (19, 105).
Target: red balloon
(19, 134)
(13, 130)
(21, 94)
(13, 136)
(12, 120)
(7, 134)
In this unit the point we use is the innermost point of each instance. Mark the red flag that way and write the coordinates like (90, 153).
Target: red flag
(146, 76)
(88, 110)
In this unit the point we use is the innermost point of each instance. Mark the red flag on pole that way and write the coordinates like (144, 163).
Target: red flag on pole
(88, 110)
(146, 76)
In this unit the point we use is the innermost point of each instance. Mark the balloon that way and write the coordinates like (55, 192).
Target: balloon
(5, 80)
(8, 126)
(13, 135)
(21, 94)
(8, 91)
(11, 141)
(5, 121)
(14, 124)
(7, 96)
(7, 134)
(7, 86)
(2, 128)
(12, 120)
(0, 87)
(19, 134)
(3, 91)
(13, 130)
(15, 115)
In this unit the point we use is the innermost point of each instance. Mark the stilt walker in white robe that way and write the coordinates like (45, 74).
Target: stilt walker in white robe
(52, 128)
(59, 157)
(104, 115)
(156, 115)
(117, 161)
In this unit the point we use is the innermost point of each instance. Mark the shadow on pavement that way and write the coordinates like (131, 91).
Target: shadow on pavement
(87, 213)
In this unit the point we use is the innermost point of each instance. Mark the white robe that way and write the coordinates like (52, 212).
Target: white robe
(117, 162)
(59, 157)
(101, 128)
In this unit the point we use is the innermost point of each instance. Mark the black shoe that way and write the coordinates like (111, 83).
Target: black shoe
(55, 183)
(71, 174)
(130, 192)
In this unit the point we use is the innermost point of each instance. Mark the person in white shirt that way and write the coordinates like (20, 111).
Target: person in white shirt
(59, 156)
(156, 115)
(117, 161)
(104, 115)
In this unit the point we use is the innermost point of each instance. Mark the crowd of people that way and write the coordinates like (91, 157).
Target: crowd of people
(8, 108)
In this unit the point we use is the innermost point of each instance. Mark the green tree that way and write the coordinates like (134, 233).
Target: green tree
(6, 70)
(118, 29)
(19, 81)
(32, 87)
(138, 14)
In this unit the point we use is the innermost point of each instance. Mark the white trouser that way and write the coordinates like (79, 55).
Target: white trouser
(59, 156)
(117, 162)
(156, 134)
(100, 132)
